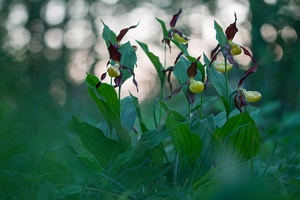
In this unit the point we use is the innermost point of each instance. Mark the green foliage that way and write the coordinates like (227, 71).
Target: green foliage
(194, 150)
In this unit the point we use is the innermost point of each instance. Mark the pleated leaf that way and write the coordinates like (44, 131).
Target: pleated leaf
(128, 113)
(239, 137)
(104, 149)
(128, 59)
(106, 100)
(187, 144)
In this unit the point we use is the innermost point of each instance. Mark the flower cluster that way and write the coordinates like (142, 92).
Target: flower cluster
(115, 70)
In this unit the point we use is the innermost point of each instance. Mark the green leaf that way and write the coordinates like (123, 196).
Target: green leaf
(128, 113)
(187, 144)
(183, 49)
(128, 59)
(238, 137)
(217, 79)
(163, 26)
(180, 72)
(155, 61)
(108, 35)
(220, 35)
(139, 114)
(108, 103)
(104, 149)
(105, 92)
(112, 119)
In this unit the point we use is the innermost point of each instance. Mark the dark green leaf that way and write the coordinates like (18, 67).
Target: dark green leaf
(155, 61)
(139, 114)
(104, 149)
(238, 137)
(187, 144)
(128, 113)
(112, 119)
(105, 92)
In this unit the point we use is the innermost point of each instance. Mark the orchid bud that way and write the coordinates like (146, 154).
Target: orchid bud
(114, 71)
(134, 47)
(235, 49)
(196, 86)
(179, 38)
(252, 96)
(220, 66)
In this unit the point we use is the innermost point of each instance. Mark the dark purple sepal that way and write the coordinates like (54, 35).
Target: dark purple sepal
(114, 54)
(227, 53)
(169, 71)
(118, 81)
(192, 70)
(124, 31)
(103, 76)
(190, 96)
(231, 30)
(239, 100)
(246, 52)
(246, 74)
(175, 18)
(133, 76)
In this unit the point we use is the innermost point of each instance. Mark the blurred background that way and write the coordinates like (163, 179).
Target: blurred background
(46, 48)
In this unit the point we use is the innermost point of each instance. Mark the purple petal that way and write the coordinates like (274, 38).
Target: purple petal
(247, 73)
(246, 52)
(231, 29)
(169, 72)
(124, 31)
(190, 96)
(114, 54)
(103, 76)
(118, 81)
(176, 91)
(239, 100)
(192, 70)
(133, 76)
(175, 18)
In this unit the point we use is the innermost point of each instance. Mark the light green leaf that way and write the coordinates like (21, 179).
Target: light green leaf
(104, 149)
(163, 26)
(108, 35)
(128, 59)
(220, 35)
(238, 137)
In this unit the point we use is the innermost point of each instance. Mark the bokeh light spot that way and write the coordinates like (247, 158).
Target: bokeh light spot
(54, 12)
(288, 34)
(268, 32)
(54, 38)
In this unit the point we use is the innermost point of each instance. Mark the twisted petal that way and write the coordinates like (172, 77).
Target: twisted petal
(124, 31)
(175, 18)
(247, 73)
(114, 54)
(133, 76)
(231, 30)
(239, 100)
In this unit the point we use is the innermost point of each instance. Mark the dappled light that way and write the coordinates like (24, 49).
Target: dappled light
(149, 99)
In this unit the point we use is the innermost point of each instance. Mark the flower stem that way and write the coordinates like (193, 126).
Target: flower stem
(227, 88)
(200, 107)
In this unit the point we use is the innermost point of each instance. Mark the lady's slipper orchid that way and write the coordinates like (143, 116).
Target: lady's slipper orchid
(115, 70)
(220, 66)
(242, 96)
(175, 33)
(194, 86)
(230, 48)
(252, 96)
